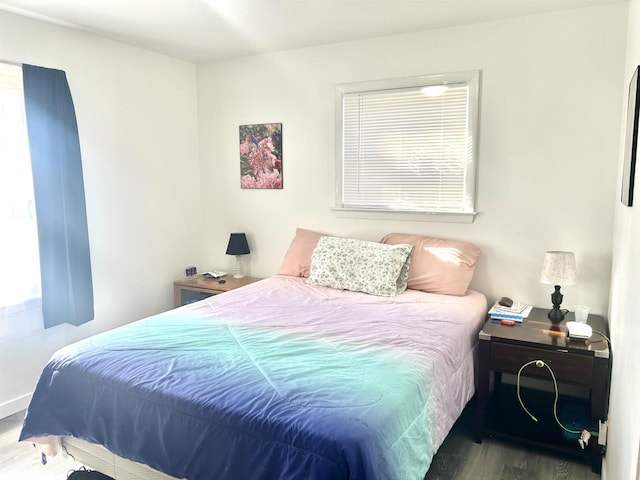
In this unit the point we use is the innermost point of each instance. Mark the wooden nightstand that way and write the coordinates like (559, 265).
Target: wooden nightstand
(198, 288)
(579, 367)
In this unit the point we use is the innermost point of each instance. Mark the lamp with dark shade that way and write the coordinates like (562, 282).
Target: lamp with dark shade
(238, 246)
(558, 268)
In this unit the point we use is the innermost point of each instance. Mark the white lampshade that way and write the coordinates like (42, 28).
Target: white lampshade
(559, 268)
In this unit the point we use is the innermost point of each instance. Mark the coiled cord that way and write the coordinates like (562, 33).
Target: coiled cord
(540, 364)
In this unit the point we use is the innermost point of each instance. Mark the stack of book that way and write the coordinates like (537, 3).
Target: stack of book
(516, 312)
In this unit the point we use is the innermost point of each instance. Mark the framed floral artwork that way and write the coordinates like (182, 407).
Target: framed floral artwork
(261, 156)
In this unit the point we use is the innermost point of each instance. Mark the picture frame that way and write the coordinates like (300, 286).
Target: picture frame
(631, 141)
(261, 156)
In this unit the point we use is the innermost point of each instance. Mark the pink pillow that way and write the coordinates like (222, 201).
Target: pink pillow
(297, 260)
(438, 265)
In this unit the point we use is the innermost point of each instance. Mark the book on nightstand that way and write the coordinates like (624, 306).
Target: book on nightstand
(516, 312)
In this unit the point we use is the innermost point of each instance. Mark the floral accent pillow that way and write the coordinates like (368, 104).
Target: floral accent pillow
(360, 266)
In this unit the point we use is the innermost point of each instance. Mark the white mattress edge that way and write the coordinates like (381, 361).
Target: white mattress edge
(99, 458)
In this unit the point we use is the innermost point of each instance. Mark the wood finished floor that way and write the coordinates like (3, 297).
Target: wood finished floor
(22, 461)
(459, 458)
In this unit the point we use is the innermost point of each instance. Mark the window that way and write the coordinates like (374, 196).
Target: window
(45, 264)
(19, 259)
(407, 146)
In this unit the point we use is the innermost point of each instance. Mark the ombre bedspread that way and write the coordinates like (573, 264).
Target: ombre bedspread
(276, 380)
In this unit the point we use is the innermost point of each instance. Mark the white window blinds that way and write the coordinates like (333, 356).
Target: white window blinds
(409, 149)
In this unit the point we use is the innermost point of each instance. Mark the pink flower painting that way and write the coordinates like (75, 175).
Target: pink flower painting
(261, 156)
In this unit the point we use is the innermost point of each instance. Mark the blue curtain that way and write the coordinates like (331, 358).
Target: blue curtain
(65, 263)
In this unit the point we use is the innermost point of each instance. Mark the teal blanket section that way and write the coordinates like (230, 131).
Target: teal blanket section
(246, 399)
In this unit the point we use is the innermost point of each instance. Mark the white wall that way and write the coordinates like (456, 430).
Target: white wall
(137, 121)
(549, 130)
(622, 462)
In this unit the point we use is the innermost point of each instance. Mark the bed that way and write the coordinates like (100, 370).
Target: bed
(278, 379)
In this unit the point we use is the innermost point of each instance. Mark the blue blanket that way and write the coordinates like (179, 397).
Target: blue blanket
(189, 397)
(207, 397)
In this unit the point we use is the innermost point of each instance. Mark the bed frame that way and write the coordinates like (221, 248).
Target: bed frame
(99, 458)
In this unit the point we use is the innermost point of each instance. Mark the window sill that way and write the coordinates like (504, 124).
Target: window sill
(28, 303)
(441, 217)
(19, 320)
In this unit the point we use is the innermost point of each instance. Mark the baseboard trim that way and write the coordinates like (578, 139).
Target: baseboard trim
(15, 405)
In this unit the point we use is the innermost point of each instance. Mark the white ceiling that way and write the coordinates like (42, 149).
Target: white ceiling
(202, 30)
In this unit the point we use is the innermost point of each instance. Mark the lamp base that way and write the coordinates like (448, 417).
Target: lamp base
(238, 273)
(555, 314)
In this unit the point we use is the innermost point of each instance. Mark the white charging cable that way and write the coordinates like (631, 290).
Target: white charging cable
(540, 364)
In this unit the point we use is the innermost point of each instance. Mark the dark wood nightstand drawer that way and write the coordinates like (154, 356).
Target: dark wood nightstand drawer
(567, 367)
